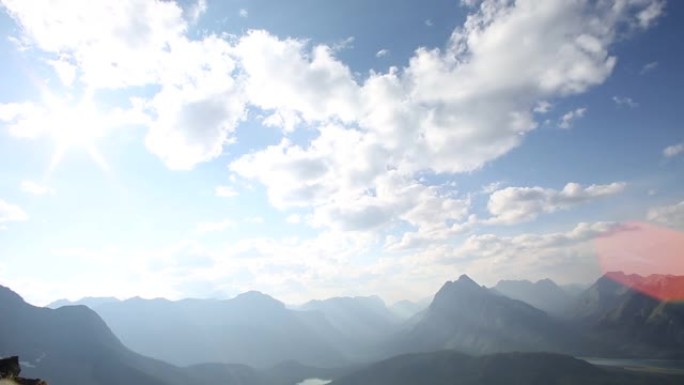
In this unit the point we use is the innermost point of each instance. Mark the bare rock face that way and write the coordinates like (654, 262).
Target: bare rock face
(10, 369)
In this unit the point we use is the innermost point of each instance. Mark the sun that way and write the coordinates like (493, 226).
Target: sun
(75, 126)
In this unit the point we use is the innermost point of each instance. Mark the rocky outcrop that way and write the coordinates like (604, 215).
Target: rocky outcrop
(10, 369)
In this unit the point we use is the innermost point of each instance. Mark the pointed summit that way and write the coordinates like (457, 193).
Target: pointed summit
(466, 280)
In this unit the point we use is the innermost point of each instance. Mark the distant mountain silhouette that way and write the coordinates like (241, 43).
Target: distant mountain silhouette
(87, 301)
(543, 294)
(406, 309)
(251, 329)
(72, 345)
(467, 317)
(617, 310)
(449, 367)
(361, 321)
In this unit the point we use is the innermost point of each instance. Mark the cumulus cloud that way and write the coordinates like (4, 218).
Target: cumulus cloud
(448, 111)
(119, 45)
(286, 77)
(113, 44)
(673, 150)
(566, 121)
(672, 215)
(513, 205)
(11, 213)
(382, 53)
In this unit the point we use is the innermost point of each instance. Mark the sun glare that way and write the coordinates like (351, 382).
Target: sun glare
(75, 127)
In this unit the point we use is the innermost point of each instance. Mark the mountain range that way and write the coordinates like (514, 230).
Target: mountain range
(254, 339)
(543, 294)
(470, 318)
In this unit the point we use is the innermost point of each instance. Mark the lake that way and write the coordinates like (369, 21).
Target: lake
(637, 363)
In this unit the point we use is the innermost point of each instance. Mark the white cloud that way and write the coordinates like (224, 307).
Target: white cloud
(213, 227)
(243, 13)
(66, 71)
(26, 120)
(649, 67)
(567, 120)
(567, 256)
(449, 111)
(625, 102)
(255, 220)
(285, 77)
(114, 44)
(543, 107)
(197, 10)
(651, 13)
(11, 213)
(225, 192)
(382, 53)
(136, 43)
(35, 188)
(293, 219)
(672, 215)
(199, 105)
(513, 205)
(673, 150)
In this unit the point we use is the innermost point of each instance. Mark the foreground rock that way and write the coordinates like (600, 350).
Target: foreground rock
(10, 370)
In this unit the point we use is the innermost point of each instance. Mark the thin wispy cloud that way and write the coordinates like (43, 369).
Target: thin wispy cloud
(624, 101)
(568, 119)
(673, 150)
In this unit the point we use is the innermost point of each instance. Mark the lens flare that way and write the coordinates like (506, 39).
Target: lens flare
(646, 257)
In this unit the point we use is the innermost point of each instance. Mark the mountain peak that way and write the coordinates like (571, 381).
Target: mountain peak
(7, 296)
(257, 298)
(465, 280)
(463, 287)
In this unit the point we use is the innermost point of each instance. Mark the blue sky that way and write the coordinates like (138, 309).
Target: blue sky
(310, 149)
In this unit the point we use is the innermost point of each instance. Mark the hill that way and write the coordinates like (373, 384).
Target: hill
(449, 367)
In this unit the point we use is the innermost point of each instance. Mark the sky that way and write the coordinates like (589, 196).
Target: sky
(318, 148)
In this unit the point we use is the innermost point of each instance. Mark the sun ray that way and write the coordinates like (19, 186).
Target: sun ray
(75, 126)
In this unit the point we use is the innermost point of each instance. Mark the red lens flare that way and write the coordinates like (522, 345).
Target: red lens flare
(646, 257)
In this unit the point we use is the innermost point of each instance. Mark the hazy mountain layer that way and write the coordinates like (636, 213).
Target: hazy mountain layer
(544, 294)
(252, 329)
(72, 345)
